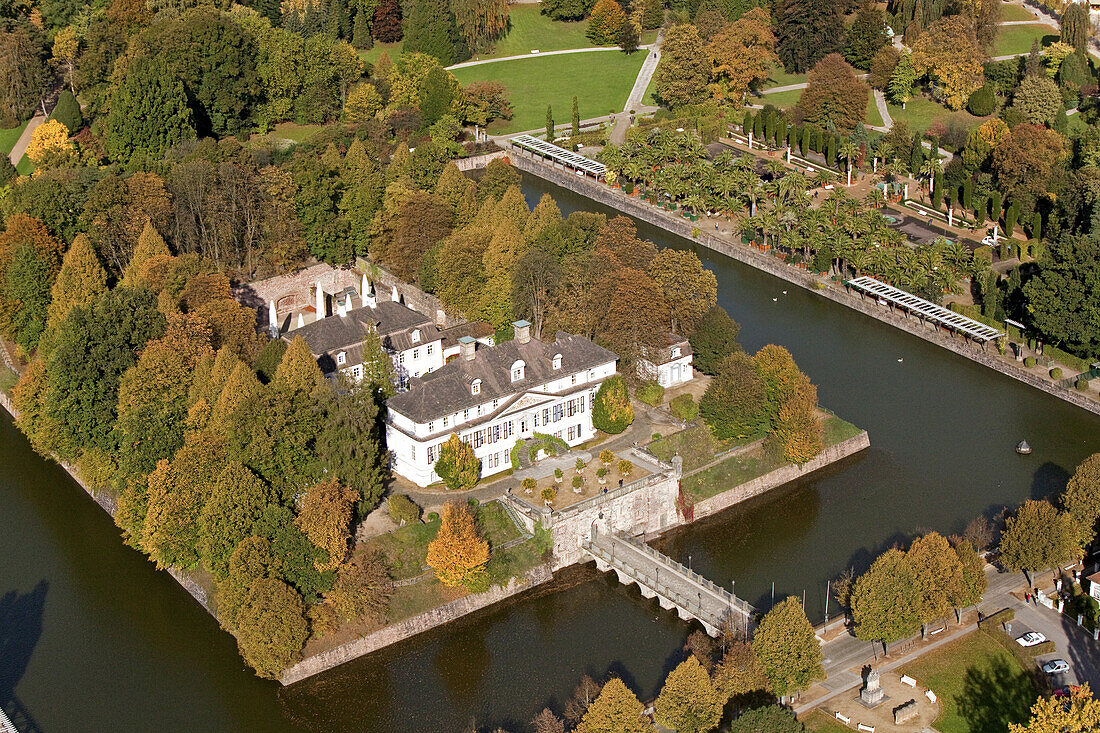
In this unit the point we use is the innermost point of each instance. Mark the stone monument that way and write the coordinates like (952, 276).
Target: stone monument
(872, 693)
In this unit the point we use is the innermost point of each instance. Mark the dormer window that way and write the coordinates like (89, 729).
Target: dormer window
(416, 336)
(557, 361)
(675, 352)
(517, 370)
(475, 387)
(341, 358)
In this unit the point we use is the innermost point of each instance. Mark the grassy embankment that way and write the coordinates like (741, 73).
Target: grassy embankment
(698, 447)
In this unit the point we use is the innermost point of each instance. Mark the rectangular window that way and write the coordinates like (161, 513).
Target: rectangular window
(431, 428)
(559, 412)
(480, 409)
(508, 430)
(447, 421)
(523, 427)
(431, 454)
(416, 354)
(466, 414)
(341, 358)
(572, 432)
(495, 403)
(581, 400)
(496, 433)
(401, 358)
(479, 439)
(573, 379)
(430, 349)
(546, 416)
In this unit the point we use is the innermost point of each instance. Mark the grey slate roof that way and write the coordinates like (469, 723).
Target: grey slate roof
(394, 322)
(447, 390)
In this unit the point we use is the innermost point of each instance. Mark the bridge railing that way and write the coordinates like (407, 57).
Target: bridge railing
(664, 559)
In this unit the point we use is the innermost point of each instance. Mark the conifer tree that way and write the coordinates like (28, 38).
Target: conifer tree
(458, 554)
(576, 118)
(80, 279)
(238, 499)
(549, 124)
(611, 408)
(298, 374)
(149, 245)
(324, 516)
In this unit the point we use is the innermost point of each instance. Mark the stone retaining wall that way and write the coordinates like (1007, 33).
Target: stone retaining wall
(474, 162)
(780, 476)
(412, 626)
(637, 208)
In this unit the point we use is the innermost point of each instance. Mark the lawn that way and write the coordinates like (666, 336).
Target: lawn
(293, 131)
(729, 473)
(788, 99)
(25, 167)
(1016, 39)
(695, 445)
(780, 78)
(8, 378)
(600, 80)
(981, 686)
(1011, 12)
(819, 722)
(837, 430)
(9, 137)
(372, 54)
(872, 117)
(921, 112)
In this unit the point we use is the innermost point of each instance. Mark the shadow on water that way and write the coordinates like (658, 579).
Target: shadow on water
(20, 630)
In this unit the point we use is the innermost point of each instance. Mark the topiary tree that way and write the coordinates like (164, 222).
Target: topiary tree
(580, 464)
(578, 482)
(625, 467)
(403, 510)
(611, 408)
(651, 393)
(982, 101)
(684, 407)
(549, 494)
(529, 483)
(67, 112)
(607, 457)
(457, 466)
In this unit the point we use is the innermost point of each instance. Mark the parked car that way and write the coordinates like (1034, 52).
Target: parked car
(1056, 666)
(1067, 691)
(1031, 638)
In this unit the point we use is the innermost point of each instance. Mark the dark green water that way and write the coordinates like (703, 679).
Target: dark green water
(92, 637)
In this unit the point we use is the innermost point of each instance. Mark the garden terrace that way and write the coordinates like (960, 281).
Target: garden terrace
(925, 309)
(559, 155)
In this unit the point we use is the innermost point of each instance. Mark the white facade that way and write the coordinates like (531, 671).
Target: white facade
(561, 407)
(674, 371)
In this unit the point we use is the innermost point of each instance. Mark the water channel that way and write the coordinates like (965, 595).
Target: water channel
(92, 637)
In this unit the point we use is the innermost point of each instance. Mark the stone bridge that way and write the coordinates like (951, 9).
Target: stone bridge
(674, 586)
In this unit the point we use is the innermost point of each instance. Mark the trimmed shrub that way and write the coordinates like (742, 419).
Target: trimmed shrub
(651, 393)
(1029, 361)
(472, 502)
(67, 112)
(611, 409)
(1046, 647)
(517, 452)
(684, 407)
(982, 102)
(403, 510)
(432, 517)
(1082, 385)
(1001, 617)
(7, 171)
(1056, 373)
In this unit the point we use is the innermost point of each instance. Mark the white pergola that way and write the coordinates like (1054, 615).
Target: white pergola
(559, 155)
(925, 309)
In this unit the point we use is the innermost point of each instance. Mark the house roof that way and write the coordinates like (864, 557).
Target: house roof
(474, 329)
(393, 321)
(664, 354)
(447, 389)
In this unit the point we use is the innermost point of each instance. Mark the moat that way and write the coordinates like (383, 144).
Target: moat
(95, 638)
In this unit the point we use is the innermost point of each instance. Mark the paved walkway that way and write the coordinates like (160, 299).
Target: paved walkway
(635, 98)
(533, 55)
(24, 140)
(880, 102)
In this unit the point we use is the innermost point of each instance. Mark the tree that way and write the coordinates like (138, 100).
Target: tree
(23, 76)
(324, 516)
(682, 74)
(576, 128)
(480, 21)
(80, 280)
(1025, 159)
(363, 103)
(547, 722)
(739, 676)
(549, 124)
(688, 701)
(565, 9)
(636, 316)
(457, 466)
(833, 95)
(1038, 99)
(768, 719)
(806, 31)
(949, 52)
(386, 24)
(690, 290)
(49, 145)
(606, 22)
(882, 67)
(149, 245)
(271, 627)
(974, 582)
(938, 575)
(251, 560)
(866, 37)
(611, 408)
(885, 600)
(67, 112)
(615, 710)
(236, 502)
(902, 79)
(362, 587)
(714, 339)
(1038, 536)
(1077, 713)
(350, 444)
(1081, 499)
(458, 553)
(487, 101)
(1076, 28)
(982, 102)
(742, 55)
(437, 96)
(402, 509)
(536, 280)
(733, 405)
(431, 28)
(149, 114)
(788, 651)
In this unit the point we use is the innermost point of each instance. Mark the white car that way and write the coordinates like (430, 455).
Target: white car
(1056, 666)
(1031, 638)
(989, 241)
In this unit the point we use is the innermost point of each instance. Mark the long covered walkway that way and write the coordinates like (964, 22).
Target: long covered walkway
(925, 309)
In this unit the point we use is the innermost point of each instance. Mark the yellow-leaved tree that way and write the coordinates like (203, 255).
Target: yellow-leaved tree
(458, 554)
(49, 143)
(325, 518)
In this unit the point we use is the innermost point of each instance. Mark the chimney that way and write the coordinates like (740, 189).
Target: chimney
(396, 297)
(523, 331)
(320, 302)
(467, 347)
(272, 317)
(341, 306)
(367, 292)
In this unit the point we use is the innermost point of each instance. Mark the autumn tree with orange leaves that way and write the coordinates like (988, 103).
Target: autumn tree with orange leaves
(458, 553)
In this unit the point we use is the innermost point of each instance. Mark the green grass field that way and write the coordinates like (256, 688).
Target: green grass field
(1013, 39)
(528, 30)
(1011, 12)
(9, 137)
(780, 78)
(981, 686)
(25, 167)
(819, 722)
(601, 81)
(921, 112)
